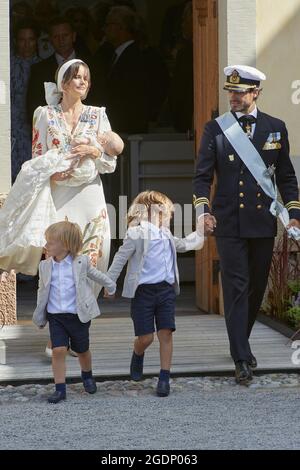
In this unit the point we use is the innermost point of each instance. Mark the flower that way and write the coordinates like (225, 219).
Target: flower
(93, 258)
(35, 136)
(55, 142)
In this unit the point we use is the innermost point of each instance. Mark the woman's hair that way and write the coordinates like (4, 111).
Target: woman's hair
(69, 234)
(71, 73)
(148, 204)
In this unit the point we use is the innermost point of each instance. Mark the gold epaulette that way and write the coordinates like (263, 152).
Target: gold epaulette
(292, 205)
(200, 201)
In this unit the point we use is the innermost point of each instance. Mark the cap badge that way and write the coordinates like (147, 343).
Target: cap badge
(234, 77)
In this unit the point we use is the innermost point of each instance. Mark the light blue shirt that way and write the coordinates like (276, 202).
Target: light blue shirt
(62, 295)
(159, 261)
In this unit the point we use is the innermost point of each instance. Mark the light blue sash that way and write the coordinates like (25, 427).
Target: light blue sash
(255, 164)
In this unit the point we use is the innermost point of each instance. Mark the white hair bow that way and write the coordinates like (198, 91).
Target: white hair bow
(53, 91)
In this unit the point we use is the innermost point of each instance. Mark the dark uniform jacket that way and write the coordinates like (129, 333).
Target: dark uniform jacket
(239, 204)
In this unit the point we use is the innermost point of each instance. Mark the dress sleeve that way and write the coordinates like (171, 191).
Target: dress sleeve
(39, 132)
(105, 163)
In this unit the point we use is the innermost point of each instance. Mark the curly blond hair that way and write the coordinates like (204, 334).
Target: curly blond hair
(148, 204)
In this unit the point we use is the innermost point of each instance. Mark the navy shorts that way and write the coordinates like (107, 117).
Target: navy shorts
(153, 303)
(67, 330)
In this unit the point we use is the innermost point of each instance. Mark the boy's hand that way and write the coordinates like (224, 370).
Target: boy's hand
(106, 295)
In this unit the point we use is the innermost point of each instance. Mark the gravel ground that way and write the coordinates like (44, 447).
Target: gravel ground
(200, 413)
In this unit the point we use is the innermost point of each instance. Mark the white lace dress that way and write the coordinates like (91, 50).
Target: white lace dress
(33, 202)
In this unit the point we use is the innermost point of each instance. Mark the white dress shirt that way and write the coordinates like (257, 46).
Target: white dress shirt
(62, 295)
(158, 262)
(61, 60)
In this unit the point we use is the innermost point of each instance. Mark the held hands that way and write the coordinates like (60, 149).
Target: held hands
(206, 224)
(106, 295)
(293, 223)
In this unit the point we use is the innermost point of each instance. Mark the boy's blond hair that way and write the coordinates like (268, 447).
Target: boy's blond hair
(147, 204)
(69, 234)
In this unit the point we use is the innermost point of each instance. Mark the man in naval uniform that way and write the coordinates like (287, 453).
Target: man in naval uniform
(240, 216)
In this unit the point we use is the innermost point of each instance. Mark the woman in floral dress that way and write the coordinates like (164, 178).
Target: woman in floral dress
(63, 178)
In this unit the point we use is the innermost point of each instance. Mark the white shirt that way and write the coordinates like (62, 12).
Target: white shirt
(60, 59)
(254, 114)
(158, 262)
(120, 49)
(62, 295)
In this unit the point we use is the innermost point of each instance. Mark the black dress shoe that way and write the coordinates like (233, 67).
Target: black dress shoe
(90, 385)
(253, 362)
(163, 388)
(243, 373)
(136, 367)
(56, 397)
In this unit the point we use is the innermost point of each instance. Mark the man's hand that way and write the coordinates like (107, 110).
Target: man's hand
(293, 223)
(206, 224)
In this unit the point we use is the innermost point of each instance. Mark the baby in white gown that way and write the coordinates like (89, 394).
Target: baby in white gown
(86, 171)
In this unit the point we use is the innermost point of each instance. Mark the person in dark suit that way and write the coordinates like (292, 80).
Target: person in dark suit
(126, 96)
(62, 38)
(240, 216)
(181, 95)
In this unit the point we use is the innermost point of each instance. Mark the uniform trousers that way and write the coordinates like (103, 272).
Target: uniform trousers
(245, 265)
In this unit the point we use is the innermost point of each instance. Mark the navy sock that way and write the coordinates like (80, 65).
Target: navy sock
(164, 375)
(61, 388)
(138, 357)
(86, 375)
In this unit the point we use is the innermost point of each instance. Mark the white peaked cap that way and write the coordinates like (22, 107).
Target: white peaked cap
(242, 77)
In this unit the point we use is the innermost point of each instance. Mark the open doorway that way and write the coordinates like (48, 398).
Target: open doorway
(164, 159)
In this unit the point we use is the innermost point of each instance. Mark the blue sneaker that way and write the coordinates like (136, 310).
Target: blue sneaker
(90, 385)
(136, 367)
(163, 388)
(56, 397)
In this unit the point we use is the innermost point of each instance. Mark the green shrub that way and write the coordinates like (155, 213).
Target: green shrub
(293, 314)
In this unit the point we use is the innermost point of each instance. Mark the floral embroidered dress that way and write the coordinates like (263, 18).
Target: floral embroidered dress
(34, 202)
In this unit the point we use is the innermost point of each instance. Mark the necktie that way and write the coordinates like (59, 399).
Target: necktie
(246, 122)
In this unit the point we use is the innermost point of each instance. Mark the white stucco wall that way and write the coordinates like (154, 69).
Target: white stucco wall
(4, 98)
(278, 55)
(265, 34)
(237, 38)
